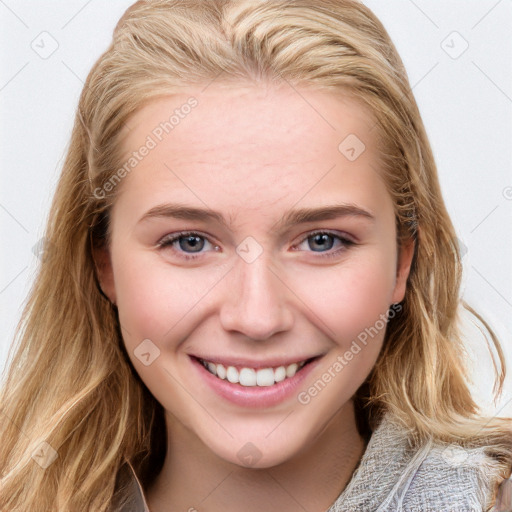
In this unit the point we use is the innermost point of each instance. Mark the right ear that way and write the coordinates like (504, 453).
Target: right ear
(104, 271)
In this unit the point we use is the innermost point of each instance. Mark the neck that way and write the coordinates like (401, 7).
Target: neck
(195, 479)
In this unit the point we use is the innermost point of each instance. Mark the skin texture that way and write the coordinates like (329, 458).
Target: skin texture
(252, 153)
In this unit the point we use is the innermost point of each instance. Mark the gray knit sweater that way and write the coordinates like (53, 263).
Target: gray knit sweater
(391, 476)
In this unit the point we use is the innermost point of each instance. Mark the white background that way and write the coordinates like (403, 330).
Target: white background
(466, 104)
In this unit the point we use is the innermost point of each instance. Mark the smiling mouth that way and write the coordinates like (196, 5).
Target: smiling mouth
(254, 377)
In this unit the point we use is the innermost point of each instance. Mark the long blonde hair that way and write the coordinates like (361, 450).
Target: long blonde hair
(71, 390)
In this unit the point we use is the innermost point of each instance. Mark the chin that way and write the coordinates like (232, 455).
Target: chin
(257, 455)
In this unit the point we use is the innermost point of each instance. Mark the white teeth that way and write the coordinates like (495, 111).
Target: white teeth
(291, 370)
(251, 377)
(232, 374)
(247, 377)
(280, 374)
(265, 377)
(221, 371)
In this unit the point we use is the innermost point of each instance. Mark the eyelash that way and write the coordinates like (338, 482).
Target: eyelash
(169, 240)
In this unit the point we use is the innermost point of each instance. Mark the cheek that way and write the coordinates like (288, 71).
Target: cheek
(152, 298)
(351, 298)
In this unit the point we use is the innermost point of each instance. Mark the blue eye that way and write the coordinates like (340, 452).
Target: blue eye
(193, 241)
(186, 240)
(321, 239)
(325, 240)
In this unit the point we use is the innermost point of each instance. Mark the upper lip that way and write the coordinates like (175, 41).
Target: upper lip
(247, 363)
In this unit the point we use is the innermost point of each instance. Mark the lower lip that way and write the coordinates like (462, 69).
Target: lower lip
(255, 396)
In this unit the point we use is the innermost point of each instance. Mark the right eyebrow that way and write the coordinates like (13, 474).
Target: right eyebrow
(178, 211)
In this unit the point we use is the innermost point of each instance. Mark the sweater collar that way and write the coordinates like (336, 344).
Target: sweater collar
(129, 495)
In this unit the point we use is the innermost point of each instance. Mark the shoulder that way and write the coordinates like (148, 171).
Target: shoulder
(396, 475)
(450, 478)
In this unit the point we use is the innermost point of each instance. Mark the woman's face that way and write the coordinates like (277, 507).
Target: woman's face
(289, 254)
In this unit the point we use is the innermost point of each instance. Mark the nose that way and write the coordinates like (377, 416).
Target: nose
(257, 300)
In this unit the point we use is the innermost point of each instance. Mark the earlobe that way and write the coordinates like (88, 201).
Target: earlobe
(405, 257)
(104, 272)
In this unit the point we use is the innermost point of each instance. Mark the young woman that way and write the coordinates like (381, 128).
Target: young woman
(251, 293)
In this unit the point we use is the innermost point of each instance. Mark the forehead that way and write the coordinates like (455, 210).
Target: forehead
(231, 118)
(251, 145)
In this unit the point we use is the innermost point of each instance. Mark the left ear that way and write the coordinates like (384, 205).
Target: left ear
(405, 256)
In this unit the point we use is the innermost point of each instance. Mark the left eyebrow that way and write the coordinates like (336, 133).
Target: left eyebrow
(290, 218)
(304, 215)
